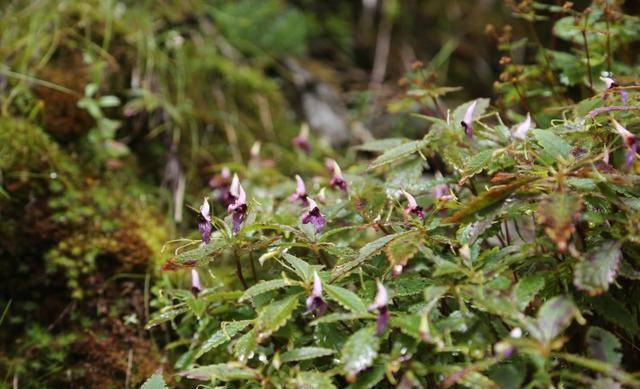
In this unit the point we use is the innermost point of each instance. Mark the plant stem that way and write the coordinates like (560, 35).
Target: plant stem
(253, 268)
(239, 269)
(586, 48)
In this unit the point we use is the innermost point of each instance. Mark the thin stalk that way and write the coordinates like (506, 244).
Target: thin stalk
(253, 268)
(608, 43)
(586, 48)
(239, 269)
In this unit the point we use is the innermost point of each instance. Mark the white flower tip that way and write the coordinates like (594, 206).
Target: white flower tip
(336, 169)
(317, 284)
(226, 173)
(300, 187)
(621, 130)
(608, 81)
(382, 298)
(468, 116)
(516, 333)
(255, 149)
(523, 128)
(410, 199)
(242, 196)
(235, 183)
(205, 208)
(312, 203)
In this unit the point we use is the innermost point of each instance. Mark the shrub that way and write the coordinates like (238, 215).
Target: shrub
(500, 249)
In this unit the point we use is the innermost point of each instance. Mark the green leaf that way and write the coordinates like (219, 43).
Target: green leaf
(397, 153)
(300, 267)
(204, 251)
(245, 345)
(339, 316)
(304, 353)
(526, 290)
(164, 316)
(487, 200)
(599, 270)
(359, 351)
(108, 101)
(401, 250)
(604, 346)
(381, 144)
(154, 382)
(264, 287)
(552, 145)
(553, 317)
(615, 312)
(367, 251)
(231, 371)
(369, 378)
(311, 380)
(346, 298)
(226, 332)
(274, 316)
(478, 163)
(558, 214)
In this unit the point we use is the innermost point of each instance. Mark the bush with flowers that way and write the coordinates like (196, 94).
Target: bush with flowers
(500, 249)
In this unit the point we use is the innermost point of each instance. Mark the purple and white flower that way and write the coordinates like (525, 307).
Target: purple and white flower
(521, 130)
(204, 221)
(630, 140)
(380, 304)
(467, 121)
(610, 83)
(315, 303)
(337, 181)
(412, 208)
(314, 216)
(238, 209)
(196, 287)
(302, 140)
(301, 192)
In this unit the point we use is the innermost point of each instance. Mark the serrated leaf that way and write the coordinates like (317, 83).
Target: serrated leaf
(615, 312)
(367, 251)
(245, 345)
(359, 351)
(200, 253)
(401, 250)
(264, 287)
(604, 346)
(477, 163)
(338, 316)
(346, 298)
(553, 317)
(408, 286)
(164, 316)
(300, 267)
(369, 378)
(396, 153)
(226, 332)
(154, 382)
(274, 316)
(487, 200)
(599, 270)
(526, 290)
(311, 380)
(558, 214)
(304, 353)
(231, 371)
(552, 145)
